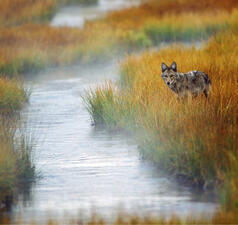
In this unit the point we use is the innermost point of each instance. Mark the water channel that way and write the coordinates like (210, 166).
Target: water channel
(85, 169)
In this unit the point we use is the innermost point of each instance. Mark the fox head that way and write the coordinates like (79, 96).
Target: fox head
(169, 74)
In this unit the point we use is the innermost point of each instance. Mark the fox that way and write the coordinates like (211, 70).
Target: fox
(192, 83)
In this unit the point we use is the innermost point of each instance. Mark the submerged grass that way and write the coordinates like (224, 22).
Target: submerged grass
(196, 139)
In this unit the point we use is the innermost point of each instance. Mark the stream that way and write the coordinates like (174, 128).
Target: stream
(85, 169)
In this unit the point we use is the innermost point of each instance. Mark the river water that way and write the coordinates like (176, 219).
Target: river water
(76, 16)
(85, 169)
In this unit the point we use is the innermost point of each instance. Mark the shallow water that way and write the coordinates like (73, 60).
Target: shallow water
(84, 168)
(74, 16)
(87, 169)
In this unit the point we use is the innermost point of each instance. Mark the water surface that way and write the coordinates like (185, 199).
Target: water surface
(75, 16)
(84, 168)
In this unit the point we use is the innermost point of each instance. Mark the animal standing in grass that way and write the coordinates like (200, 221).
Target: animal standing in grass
(183, 84)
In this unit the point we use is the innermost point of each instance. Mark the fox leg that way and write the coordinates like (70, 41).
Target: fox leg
(206, 93)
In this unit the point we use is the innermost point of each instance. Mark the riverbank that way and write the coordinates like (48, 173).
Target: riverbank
(196, 139)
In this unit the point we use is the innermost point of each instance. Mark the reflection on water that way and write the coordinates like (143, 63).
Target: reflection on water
(83, 167)
(75, 16)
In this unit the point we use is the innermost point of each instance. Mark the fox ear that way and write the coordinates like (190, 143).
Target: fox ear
(164, 67)
(174, 66)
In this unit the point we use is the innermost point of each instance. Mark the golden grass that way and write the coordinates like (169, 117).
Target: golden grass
(197, 139)
(27, 47)
(30, 46)
(136, 16)
(12, 95)
(21, 11)
(15, 12)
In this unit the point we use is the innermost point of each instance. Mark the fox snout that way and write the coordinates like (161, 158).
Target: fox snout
(168, 80)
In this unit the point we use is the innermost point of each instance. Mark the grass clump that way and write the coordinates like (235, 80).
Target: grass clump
(16, 163)
(12, 95)
(16, 160)
(196, 139)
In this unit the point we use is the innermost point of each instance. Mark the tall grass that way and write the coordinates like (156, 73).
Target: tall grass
(32, 47)
(14, 12)
(196, 139)
(15, 152)
(16, 160)
(12, 95)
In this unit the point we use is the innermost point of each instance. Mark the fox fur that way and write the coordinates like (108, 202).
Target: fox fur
(183, 84)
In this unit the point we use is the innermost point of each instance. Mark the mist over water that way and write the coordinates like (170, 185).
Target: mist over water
(74, 16)
(87, 169)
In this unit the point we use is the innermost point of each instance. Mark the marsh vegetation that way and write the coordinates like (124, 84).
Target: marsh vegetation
(194, 139)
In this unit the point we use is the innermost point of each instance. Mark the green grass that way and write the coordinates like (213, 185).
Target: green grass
(16, 165)
(12, 95)
(160, 33)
